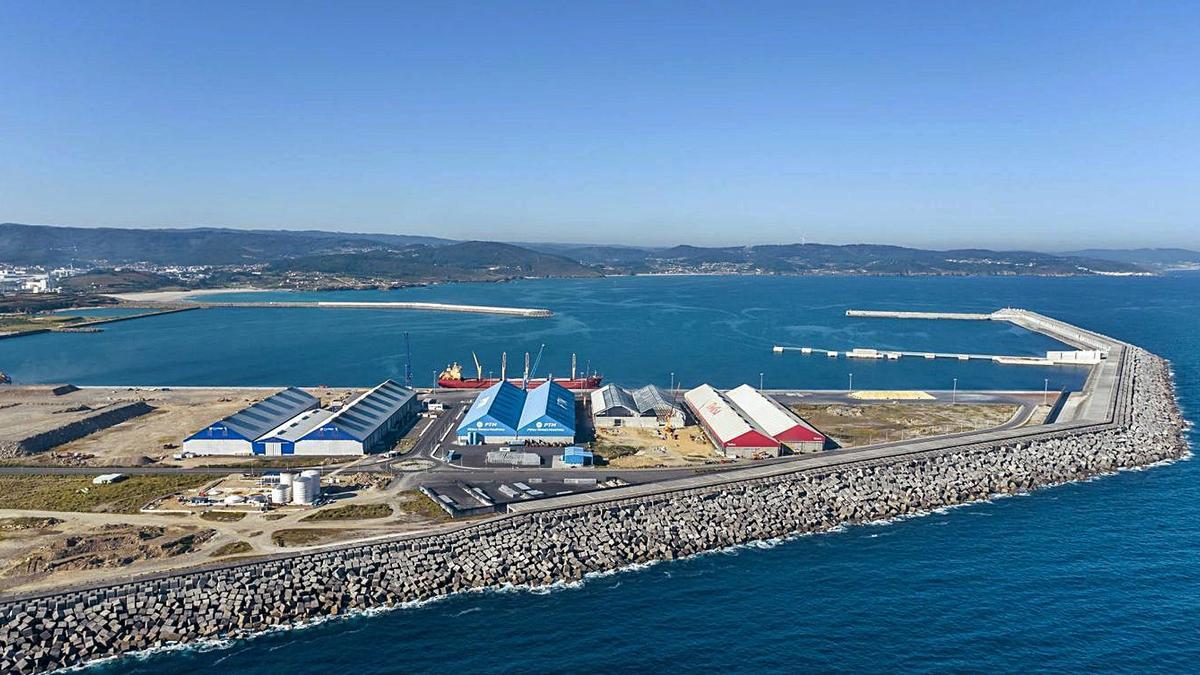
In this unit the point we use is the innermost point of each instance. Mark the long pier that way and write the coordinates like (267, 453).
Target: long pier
(893, 354)
(530, 312)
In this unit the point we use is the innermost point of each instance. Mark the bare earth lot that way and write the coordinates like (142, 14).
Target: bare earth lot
(150, 437)
(630, 448)
(56, 529)
(854, 425)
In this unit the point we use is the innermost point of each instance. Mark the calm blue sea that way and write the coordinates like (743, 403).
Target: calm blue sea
(1096, 576)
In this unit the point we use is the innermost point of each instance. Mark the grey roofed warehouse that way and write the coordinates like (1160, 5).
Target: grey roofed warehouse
(648, 406)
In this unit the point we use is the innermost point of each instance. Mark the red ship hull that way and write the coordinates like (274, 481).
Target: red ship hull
(590, 382)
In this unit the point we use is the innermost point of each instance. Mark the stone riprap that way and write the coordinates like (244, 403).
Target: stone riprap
(39, 633)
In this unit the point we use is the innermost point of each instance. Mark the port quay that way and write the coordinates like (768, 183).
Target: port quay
(1125, 416)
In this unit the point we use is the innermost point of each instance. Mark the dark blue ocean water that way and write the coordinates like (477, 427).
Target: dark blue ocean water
(1096, 576)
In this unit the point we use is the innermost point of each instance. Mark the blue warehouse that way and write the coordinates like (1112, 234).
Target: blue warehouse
(292, 423)
(505, 413)
(235, 435)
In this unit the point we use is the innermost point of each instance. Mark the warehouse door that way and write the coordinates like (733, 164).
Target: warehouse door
(274, 449)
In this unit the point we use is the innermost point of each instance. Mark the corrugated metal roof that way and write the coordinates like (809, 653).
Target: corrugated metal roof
(549, 399)
(361, 417)
(256, 420)
(502, 402)
(647, 401)
(756, 406)
(610, 397)
(298, 426)
(718, 415)
(654, 400)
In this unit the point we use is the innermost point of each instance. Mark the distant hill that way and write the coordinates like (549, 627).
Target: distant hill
(468, 260)
(82, 246)
(1154, 258)
(342, 258)
(862, 259)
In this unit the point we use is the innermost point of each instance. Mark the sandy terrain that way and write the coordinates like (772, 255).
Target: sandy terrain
(177, 413)
(688, 446)
(854, 425)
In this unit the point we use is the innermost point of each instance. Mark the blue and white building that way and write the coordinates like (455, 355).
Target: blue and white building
(364, 425)
(292, 423)
(505, 413)
(548, 415)
(236, 434)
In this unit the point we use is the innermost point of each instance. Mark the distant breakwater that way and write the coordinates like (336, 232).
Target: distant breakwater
(50, 631)
(528, 312)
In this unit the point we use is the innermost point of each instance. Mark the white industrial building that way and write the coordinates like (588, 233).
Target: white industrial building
(730, 430)
(292, 423)
(782, 424)
(648, 407)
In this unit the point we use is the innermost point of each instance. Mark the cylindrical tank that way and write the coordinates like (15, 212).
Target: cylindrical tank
(313, 476)
(302, 492)
(281, 494)
(285, 478)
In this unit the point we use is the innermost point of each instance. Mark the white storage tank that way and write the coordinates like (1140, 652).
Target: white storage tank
(285, 478)
(313, 476)
(302, 491)
(281, 494)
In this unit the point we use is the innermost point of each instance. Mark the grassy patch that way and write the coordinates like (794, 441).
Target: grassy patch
(417, 504)
(864, 423)
(614, 451)
(20, 322)
(350, 512)
(233, 548)
(77, 493)
(223, 516)
(275, 516)
(304, 537)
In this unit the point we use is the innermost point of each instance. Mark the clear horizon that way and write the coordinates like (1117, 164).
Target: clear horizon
(930, 125)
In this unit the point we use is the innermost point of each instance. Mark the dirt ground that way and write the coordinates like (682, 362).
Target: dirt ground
(62, 548)
(42, 547)
(632, 448)
(177, 413)
(854, 425)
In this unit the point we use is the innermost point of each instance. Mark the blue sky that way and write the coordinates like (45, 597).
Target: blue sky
(941, 124)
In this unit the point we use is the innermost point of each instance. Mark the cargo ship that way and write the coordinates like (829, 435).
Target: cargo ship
(452, 376)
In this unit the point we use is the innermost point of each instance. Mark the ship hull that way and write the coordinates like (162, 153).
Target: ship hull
(579, 383)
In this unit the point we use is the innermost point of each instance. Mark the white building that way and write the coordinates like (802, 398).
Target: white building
(649, 407)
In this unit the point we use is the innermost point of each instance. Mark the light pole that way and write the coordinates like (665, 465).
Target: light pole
(1046, 392)
(672, 380)
(954, 395)
(760, 381)
(851, 381)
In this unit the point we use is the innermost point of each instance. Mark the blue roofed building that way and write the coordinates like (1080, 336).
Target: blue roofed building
(365, 425)
(494, 416)
(292, 422)
(548, 415)
(236, 434)
(574, 457)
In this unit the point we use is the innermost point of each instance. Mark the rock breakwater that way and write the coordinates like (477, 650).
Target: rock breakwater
(40, 633)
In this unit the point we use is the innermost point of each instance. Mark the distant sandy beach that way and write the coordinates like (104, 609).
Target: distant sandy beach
(176, 296)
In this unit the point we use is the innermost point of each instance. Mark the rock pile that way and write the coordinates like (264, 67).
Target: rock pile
(53, 631)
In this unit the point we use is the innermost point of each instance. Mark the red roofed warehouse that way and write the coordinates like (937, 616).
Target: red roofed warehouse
(729, 429)
(782, 424)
